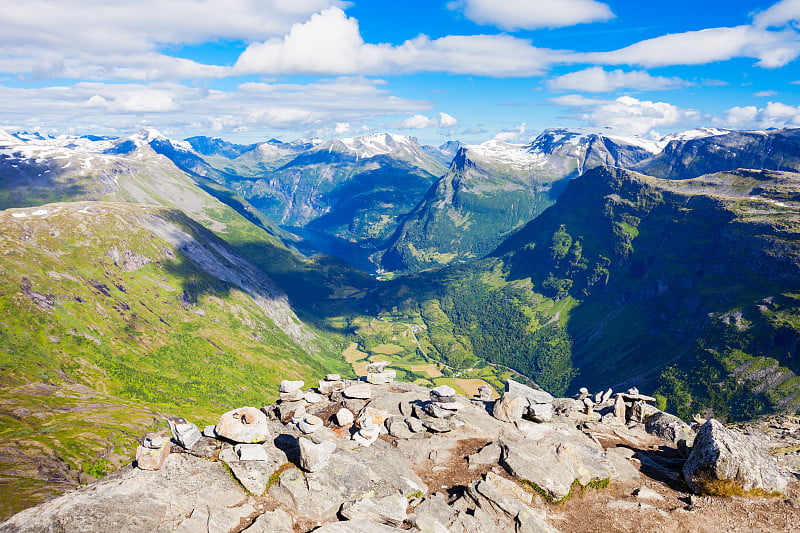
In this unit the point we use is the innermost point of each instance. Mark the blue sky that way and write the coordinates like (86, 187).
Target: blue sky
(472, 70)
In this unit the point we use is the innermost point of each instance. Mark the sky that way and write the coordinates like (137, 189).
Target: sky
(437, 70)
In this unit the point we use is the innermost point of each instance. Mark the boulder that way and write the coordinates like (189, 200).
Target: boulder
(721, 454)
(309, 424)
(367, 435)
(327, 386)
(315, 456)
(245, 425)
(670, 428)
(397, 427)
(520, 401)
(313, 397)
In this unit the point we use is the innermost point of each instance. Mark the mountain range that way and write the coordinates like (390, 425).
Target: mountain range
(144, 273)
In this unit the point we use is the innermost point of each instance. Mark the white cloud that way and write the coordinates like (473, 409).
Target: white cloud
(341, 128)
(779, 14)
(530, 14)
(773, 115)
(598, 80)
(575, 100)
(421, 122)
(773, 49)
(765, 94)
(256, 107)
(98, 39)
(515, 134)
(330, 42)
(630, 115)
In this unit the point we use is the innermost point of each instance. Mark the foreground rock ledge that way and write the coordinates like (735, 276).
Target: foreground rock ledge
(438, 462)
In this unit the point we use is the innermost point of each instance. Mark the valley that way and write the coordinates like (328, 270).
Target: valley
(142, 275)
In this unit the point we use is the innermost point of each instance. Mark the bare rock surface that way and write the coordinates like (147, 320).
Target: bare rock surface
(409, 459)
(720, 453)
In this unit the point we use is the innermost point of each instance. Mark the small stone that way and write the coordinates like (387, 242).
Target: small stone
(443, 391)
(646, 493)
(153, 441)
(313, 397)
(344, 417)
(398, 428)
(583, 390)
(377, 367)
(292, 396)
(485, 392)
(210, 431)
(315, 456)
(598, 397)
(251, 452)
(327, 387)
(152, 458)
(360, 391)
(620, 407)
(435, 410)
(291, 386)
(633, 391)
(299, 414)
(607, 395)
(310, 424)
(367, 435)
(333, 377)
(540, 412)
(184, 433)
(372, 417)
(415, 424)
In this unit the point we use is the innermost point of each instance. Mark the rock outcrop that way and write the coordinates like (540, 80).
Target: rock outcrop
(389, 457)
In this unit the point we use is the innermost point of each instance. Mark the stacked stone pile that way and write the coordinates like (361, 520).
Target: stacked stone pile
(358, 456)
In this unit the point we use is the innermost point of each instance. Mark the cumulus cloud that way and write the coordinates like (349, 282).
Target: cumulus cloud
(598, 80)
(773, 115)
(779, 14)
(251, 107)
(530, 14)
(421, 122)
(97, 39)
(330, 42)
(630, 115)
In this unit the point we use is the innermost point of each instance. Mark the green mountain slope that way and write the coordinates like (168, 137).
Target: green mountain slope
(689, 285)
(112, 315)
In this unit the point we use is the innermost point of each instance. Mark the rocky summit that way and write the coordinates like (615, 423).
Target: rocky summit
(408, 458)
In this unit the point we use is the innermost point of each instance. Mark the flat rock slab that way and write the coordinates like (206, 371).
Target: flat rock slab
(389, 510)
(254, 475)
(357, 526)
(185, 484)
(277, 521)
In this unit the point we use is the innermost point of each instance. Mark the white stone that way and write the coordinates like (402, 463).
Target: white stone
(313, 397)
(344, 417)
(309, 424)
(291, 386)
(360, 391)
(251, 452)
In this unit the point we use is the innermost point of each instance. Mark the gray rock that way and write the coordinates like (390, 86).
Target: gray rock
(534, 395)
(360, 391)
(509, 408)
(210, 431)
(139, 501)
(367, 435)
(540, 412)
(344, 417)
(415, 424)
(720, 453)
(646, 493)
(309, 424)
(436, 410)
(254, 475)
(670, 428)
(355, 404)
(380, 378)
(284, 411)
(485, 392)
(251, 452)
(333, 377)
(277, 521)
(329, 386)
(377, 367)
(245, 425)
(488, 455)
(443, 391)
(621, 465)
(314, 457)
(292, 396)
(620, 408)
(389, 510)
(184, 433)
(291, 386)
(206, 447)
(493, 501)
(357, 526)
(313, 397)
(148, 458)
(397, 427)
